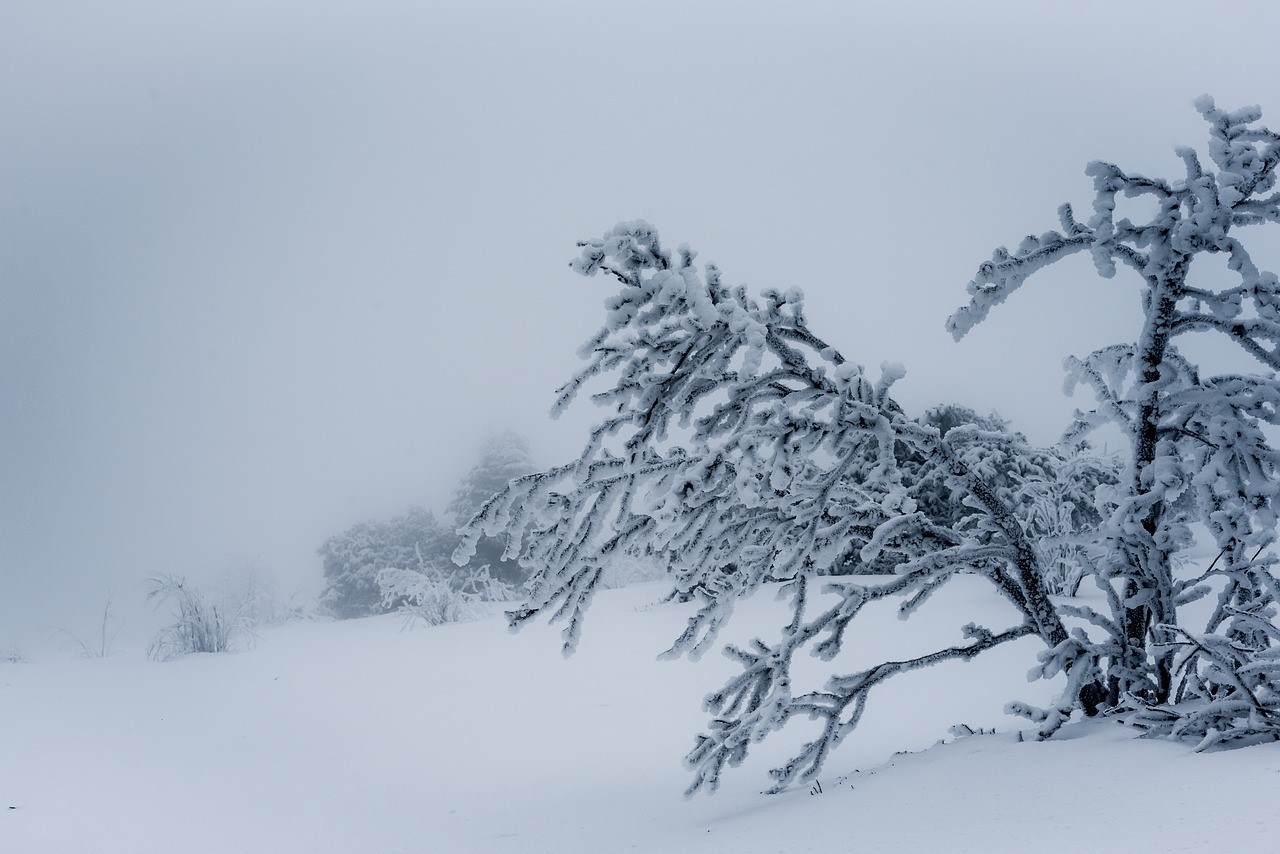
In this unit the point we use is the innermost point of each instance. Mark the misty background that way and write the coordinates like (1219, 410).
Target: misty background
(271, 269)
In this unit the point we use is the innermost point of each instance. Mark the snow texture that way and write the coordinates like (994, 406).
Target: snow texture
(353, 736)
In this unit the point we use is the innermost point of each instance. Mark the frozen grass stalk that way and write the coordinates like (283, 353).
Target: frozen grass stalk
(197, 627)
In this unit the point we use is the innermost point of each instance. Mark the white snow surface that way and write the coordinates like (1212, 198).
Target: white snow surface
(361, 737)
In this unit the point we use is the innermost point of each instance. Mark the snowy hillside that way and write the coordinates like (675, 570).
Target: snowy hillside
(358, 737)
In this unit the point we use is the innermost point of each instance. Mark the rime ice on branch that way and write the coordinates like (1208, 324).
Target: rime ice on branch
(1199, 453)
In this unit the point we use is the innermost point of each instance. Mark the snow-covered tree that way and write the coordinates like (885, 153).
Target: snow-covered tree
(741, 451)
(417, 547)
(503, 457)
(353, 559)
(1199, 449)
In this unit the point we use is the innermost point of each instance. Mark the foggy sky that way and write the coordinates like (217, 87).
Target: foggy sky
(268, 270)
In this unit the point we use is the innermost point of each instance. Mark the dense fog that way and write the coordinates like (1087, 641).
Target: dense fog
(267, 270)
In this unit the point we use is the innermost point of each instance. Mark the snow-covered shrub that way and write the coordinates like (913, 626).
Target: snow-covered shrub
(248, 587)
(1051, 491)
(353, 559)
(438, 594)
(197, 627)
(1061, 511)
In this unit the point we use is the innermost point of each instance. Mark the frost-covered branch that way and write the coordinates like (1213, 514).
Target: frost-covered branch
(760, 700)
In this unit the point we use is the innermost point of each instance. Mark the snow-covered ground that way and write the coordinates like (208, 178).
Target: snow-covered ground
(360, 737)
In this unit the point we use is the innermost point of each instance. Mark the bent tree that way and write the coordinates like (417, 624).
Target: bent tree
(1198, 448)
(741, 450)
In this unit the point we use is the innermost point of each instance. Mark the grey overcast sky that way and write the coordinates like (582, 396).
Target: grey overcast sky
(268, 269)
